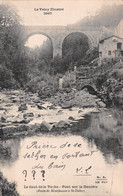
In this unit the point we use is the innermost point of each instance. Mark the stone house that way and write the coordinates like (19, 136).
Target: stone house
(111, 47)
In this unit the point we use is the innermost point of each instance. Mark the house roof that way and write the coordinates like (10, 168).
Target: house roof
(101, 41)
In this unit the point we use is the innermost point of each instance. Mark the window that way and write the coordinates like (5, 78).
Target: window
(122, 53)
(100, 54)
(119, 45)
(109, 52)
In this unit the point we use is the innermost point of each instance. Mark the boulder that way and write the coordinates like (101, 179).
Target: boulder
(11, 130)
(52, 107)
(66, 106)
(3, 118)
(60, 112)
(28, 115)
(101, 104)
(35, 127)
(60, 126)
(36, 100)
(1, 108)
(38, 115)
(45, 127)
(119, 123)
(79, 111)
(22, 121)
(9, 105)
(41, 107)
(1, 133)
(22, 107)
(71, 118)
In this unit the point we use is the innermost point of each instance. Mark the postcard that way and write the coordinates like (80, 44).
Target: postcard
(61, 98)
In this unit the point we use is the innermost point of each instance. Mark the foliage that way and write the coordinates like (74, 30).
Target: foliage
(44, 52)
(12, 49)
(69, 79)
(90, 55)
(6, 78)
(75, 46)
(8, 189)
(44, 84)
(59, 65)
(100, 80)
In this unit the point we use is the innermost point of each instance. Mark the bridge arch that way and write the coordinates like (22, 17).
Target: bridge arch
(92, 90)
(76, 34)
(39, 33)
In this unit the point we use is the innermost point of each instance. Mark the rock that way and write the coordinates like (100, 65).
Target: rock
(101, 104)
(9, 105)
(41, 107)
(1, 133)
(1, 108)
(60, 111)
(22, 121)
(71, 118)
(52, 107)
(11, 130)
(66, 106)
(32, 106)
(79, 111)
(5, 124)
(38, 115)
(28, 115)
(3, 119)
(36, 101)
(35, 127)
(63, 124)
(22, 107)
(119, 123)
(45, 127)
(60, 126)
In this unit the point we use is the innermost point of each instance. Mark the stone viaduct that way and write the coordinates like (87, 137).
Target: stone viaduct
(57, 35)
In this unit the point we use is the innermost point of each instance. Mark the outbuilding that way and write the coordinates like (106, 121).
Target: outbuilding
(111, 47)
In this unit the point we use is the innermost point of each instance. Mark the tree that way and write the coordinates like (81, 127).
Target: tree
(12, 42)
(75, 46)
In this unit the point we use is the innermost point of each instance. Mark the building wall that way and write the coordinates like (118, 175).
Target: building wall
(109, 45)
(119, 29)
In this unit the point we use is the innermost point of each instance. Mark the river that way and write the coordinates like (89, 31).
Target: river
(87, 160)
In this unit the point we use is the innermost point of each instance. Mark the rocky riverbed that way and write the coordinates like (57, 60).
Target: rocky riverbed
(23, 113)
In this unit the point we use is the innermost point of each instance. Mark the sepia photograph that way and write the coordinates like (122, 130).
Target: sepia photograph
(61, 97)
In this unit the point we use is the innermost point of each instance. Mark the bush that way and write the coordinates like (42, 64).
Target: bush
(8, 189)
(117, 73)
(91, 54)
(6, 78)
(43, 84)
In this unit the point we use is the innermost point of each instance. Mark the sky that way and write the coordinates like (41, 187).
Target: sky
(35, 41)
(32, 13)
(74, 10)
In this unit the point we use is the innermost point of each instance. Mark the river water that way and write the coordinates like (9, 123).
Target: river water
(85, 160)
(69, 162)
